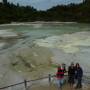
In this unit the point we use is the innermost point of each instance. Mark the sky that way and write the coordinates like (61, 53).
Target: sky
(0, 0)
(43, 4)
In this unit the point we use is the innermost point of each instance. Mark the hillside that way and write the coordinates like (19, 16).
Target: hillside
(67, 13)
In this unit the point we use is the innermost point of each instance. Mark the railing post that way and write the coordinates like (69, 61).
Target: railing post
(49, 78)
(25, 83)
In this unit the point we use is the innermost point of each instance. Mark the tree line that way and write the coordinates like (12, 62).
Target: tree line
(68, 13)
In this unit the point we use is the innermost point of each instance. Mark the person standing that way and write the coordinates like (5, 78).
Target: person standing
(64, 67)
(78, 75)
(71, 75)
(60, 77)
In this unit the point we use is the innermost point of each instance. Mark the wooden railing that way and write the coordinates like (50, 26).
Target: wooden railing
(26, 81)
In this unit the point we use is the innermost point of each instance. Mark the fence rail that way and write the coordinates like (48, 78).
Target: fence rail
(47, 77)
(26, 81)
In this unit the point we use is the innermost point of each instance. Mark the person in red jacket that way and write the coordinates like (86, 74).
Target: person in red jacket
(60, 77)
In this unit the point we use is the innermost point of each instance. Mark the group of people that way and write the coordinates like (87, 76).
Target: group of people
(75, 74)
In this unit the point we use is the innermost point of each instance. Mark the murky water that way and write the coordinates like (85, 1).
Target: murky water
(28, 50)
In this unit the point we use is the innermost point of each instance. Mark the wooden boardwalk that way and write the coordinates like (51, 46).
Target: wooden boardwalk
(54, 87)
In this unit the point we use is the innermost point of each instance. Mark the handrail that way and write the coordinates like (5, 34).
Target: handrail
(12, 85)
(26, 81)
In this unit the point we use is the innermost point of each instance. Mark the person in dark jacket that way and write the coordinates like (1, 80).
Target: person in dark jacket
(78, 75)
(64, 67)
(71, 74)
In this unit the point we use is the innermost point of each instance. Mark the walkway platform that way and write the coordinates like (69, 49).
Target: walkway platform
(54, 87)
(46, 83)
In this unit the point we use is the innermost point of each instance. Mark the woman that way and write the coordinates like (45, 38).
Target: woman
(60, 77)
(78, 75)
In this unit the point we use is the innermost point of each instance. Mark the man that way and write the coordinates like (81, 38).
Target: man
(71, 74)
